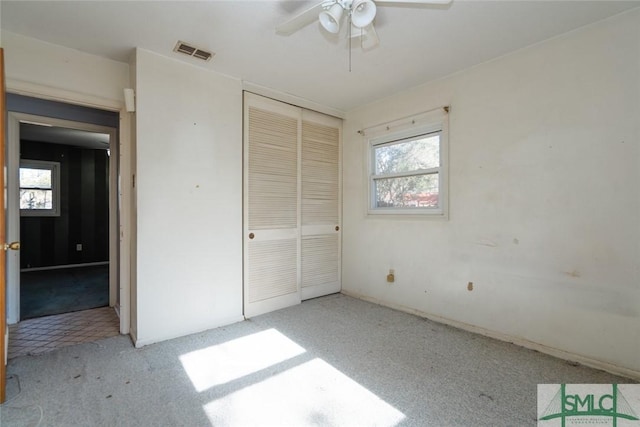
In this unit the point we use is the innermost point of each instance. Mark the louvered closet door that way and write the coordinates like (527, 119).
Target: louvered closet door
(272, 205)
(321, 207)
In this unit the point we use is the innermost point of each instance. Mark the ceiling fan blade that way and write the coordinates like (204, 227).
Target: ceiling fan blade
(392, 2)
(370, 38)
(366, 37)
(301, 20)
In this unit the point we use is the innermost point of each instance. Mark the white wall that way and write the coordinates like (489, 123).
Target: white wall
(544, 200)
(189, 198)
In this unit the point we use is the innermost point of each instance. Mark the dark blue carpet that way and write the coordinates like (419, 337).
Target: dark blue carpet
(48, 292)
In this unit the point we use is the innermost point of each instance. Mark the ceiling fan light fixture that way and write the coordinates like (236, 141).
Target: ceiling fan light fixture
(362, 12)
(330, 19)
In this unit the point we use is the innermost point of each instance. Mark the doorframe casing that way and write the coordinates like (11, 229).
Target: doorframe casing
(122, 189)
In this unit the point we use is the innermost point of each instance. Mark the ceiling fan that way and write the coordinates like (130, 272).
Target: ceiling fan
(359, 14)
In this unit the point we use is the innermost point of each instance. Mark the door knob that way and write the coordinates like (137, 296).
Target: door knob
(14, 246)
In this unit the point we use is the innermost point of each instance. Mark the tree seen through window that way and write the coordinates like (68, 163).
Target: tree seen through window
(406, 173)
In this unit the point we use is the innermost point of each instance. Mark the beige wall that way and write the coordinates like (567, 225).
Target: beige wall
(34, 67)
(43, 70)
(544, 200)
(187, 235)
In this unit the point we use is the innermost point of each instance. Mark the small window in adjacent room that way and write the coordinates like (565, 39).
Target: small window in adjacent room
(407, 171)
(39, 188)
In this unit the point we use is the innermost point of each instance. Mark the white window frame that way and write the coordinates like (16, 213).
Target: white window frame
(414, 131)
(54, 167)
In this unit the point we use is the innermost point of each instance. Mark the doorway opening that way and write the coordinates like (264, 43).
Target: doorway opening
(64, 220)
(63, 207)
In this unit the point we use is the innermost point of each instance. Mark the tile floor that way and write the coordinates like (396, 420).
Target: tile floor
(36, 336)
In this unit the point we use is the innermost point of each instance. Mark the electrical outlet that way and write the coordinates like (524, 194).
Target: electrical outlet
(391, 276)
(79, 247)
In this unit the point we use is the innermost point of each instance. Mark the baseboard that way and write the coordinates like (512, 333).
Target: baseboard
(60, 267)
(147, 341)
(134, 336)
(560, 354)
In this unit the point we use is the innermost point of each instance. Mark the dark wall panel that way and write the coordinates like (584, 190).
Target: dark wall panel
(84, 209)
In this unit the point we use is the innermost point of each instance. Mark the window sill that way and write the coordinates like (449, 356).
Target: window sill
(38, 213)
(435, 214)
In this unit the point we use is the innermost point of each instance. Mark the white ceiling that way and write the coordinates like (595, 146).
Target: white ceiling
(418, 43)
(66, 136)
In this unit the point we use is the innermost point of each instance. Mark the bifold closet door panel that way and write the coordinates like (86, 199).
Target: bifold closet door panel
(272, 205)
(321, 205)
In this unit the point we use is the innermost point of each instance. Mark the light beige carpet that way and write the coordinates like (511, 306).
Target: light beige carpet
(332, 361)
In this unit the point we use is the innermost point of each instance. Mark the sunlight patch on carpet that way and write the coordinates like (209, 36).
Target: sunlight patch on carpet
(313, 393)
(222, 363)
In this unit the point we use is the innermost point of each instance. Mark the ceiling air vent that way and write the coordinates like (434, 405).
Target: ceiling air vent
(193, 51)
(202, 54)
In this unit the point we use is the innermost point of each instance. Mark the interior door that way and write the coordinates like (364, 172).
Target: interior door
(3, 293)
(4, 246)
(271, 205)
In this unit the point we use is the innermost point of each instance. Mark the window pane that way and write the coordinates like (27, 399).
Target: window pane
(35, 178)
(36, 199)
(422, 153)
(412, 191)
